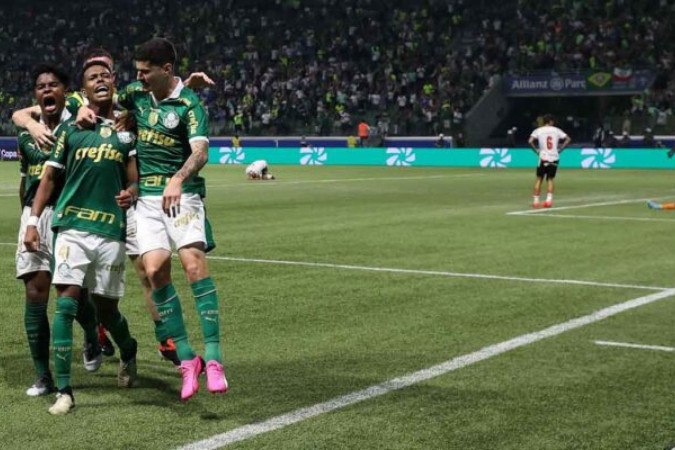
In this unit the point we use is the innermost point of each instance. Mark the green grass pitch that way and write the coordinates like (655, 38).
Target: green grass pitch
(297, 335)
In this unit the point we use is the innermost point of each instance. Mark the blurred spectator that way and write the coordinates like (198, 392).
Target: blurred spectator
(648, 139)
(236, 142)
(511, 137)
(459, 140)
(609, 141)
(440, 142)
(599, 136)
(351, 141)
(364, 133)
(625, 140)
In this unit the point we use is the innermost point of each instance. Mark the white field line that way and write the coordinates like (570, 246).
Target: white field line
(426, 272)
(624, 218)
(543, 211)
(437, 273)
(638, 346)
(250, 431)
(340, 180)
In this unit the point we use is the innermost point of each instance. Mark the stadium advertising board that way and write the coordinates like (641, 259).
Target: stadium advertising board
(617, 82)
(586, 158)
(8, 149)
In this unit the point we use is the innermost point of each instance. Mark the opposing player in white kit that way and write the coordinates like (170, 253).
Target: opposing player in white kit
(548, 148)
(258, 170)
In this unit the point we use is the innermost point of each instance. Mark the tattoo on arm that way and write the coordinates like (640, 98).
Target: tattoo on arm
(196, 161)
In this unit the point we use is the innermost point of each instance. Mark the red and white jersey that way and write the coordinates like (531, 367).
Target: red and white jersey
(548, 138)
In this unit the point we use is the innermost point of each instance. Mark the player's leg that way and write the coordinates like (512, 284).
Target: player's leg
(205, 294)
(167, 348)
(536, 191)
(36, 323)
(551, 171)
(108, 272)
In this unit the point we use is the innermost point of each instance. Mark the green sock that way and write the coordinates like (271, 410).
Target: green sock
(160, 332)
(168, 307)
(118, 327)
(86, 317)
(37, 330)
(206, 300)
(62, 339)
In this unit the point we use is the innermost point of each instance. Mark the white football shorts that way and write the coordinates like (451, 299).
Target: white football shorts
(29, 262)
(89, 260)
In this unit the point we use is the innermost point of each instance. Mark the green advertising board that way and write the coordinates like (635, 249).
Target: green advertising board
(586, 158)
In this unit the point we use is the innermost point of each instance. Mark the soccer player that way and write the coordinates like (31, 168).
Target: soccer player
(548, 149)
(172, 148)
(24, 118)
(258, 170)
(34, 268)
(99, 178)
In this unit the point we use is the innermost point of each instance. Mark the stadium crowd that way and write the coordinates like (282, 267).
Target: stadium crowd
(286, 66)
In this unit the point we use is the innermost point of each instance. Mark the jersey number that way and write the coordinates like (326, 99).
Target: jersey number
(549, 142)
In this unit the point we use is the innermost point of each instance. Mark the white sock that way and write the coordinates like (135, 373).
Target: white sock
(549, 197)
(535, 199)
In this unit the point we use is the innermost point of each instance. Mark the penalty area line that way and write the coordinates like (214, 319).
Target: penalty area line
(544, 211)
(437, 273)
(275, 423)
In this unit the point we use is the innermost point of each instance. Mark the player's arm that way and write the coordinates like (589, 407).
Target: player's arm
(534, 147)
(47, 185)
(194, 163)
(22, 190)
(27, 118)
(564, 144)
(128, 196)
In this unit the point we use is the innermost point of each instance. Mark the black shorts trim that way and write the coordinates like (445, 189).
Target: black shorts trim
(547, 169)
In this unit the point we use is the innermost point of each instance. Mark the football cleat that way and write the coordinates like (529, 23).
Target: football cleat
(548, 204)
(167, 351)
(92, 357)
(535, 205)
(215, 377)
(42, 386)
(64, 402)
(190, 370)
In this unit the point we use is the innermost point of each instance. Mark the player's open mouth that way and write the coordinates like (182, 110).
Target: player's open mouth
(102, 89)
(49, 104)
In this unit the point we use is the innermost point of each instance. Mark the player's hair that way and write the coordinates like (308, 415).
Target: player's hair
(548, 118)
(59, 73)
(94, 62)
(96, 52)
(156, 51)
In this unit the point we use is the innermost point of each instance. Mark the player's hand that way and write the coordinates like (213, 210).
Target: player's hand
(42, 135)
(124, 122)
(171, 197)
(199, 80)
(125, 199)
(86, 117)
(31, 239)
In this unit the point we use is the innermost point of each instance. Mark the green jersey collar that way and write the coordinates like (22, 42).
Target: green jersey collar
(174, 95)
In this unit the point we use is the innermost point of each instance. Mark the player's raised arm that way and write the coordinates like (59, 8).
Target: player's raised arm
(26, 118)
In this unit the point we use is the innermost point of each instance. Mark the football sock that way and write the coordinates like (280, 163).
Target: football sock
(37, 330)
(62, 339)
(206, 300)
(535, 199)
(549, 197)
(118, 327)
(160, 332)
(169, 309)
(86, 317)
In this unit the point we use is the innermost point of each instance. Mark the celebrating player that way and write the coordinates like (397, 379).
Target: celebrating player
(258, 170)
(100, 177)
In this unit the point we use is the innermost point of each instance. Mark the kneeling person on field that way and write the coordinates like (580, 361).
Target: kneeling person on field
(100, 178)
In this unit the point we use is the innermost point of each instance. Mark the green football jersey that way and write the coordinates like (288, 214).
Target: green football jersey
(32, 163)
(165, 130)
(95, 165)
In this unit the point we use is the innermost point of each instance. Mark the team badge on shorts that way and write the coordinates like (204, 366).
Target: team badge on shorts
(153, 118)
(171, 120)
(64, 269)
(105, 132)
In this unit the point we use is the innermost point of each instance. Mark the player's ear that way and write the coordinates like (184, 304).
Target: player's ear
(167, 68)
